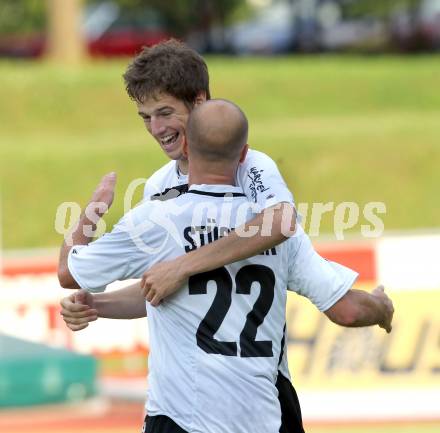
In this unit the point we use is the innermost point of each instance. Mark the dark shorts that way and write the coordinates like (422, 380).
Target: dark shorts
(291, 420)
(161, 424)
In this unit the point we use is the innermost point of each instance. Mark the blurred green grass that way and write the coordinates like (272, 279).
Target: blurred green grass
(341, 129)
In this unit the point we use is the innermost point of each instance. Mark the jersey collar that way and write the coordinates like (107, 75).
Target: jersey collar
(216, 190)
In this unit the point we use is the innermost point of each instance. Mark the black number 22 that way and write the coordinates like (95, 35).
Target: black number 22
(213, 319)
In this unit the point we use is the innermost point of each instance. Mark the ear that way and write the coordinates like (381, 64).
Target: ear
(244, 152)
(200, 98)
(185, 147)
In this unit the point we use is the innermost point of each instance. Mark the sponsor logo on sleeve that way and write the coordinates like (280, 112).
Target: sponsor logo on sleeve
(256, 183)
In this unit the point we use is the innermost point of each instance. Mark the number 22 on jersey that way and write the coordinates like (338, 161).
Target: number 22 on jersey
(249, 347)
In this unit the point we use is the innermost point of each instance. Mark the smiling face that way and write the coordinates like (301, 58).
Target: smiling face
(165, 118)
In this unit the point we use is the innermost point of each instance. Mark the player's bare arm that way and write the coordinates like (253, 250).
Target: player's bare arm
(82, 307)
(82, 233)
(359, 308)
(270, 227)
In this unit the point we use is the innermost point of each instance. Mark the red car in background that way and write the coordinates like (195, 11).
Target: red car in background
(111, 31)
(31, 45)
(419, 30)
(108, 30)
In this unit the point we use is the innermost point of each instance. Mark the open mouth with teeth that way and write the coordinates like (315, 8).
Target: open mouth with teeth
(169, 140)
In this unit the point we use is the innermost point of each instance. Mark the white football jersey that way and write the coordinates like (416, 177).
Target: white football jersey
(257, 175)
(215, 344)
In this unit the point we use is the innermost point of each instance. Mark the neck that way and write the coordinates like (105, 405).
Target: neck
(182, 164)
(210, 174)
(210, 179)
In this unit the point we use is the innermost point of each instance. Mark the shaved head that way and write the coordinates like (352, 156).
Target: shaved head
(217, 130)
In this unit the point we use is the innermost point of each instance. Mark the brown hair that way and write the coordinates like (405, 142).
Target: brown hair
(170, 67)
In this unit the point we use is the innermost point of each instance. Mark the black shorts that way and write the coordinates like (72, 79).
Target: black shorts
(291, 419)
(161, 424)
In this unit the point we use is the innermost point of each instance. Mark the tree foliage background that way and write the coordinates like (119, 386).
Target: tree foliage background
(24, 16)
(379, 8)
(182, 16)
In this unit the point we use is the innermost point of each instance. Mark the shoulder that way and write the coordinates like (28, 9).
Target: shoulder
(159, 179)
(257, 167)
(139, 213)
(143, 222)
(261, 180)
(153, 222)
(256, 163)
(159, 175)
(255, 157)
(161, 207)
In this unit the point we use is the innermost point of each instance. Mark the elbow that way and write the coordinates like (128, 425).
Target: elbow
(65, 278)
(62, 278)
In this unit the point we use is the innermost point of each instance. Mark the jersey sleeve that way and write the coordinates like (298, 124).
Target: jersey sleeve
(261, 181)
(114, 256)
(321, 281)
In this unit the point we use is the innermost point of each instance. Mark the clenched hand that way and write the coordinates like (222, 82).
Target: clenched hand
(78, 310)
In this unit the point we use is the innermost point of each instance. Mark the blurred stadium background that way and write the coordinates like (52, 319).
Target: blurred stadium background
(344, 95)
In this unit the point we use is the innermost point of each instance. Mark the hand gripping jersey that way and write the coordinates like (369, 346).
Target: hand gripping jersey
(216, 344)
